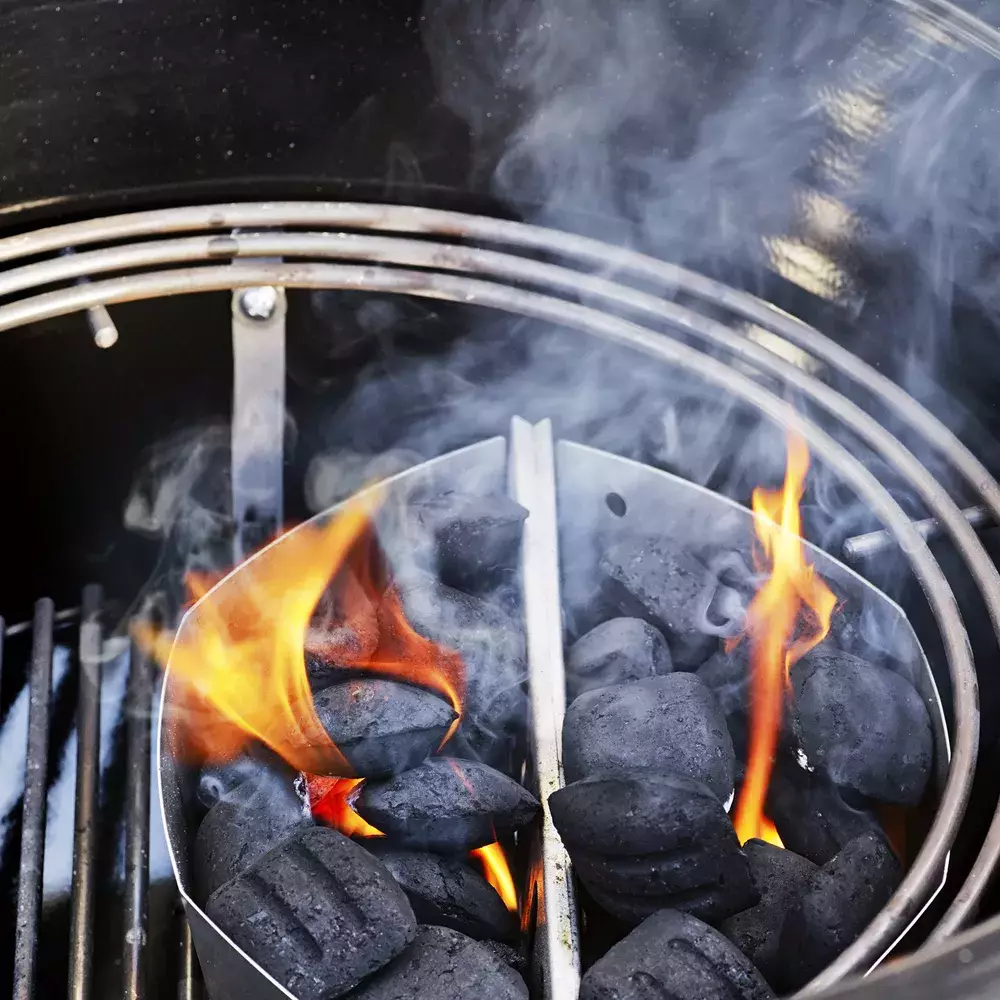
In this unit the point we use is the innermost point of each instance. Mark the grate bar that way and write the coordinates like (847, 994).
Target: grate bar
(88, 749)
(138, 705)
(29, 883)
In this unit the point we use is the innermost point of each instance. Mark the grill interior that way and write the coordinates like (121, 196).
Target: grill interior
(428, 257)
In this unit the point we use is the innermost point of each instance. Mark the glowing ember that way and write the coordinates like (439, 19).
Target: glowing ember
(331, 802)
(780, 633)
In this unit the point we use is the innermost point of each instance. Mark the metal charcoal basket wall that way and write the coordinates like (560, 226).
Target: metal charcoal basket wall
(456, 257)
(546, 477)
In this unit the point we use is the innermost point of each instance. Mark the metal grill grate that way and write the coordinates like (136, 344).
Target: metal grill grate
(90, 857)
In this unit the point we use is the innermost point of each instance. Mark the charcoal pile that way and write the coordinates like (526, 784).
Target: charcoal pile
(655, 739)
(290, 867)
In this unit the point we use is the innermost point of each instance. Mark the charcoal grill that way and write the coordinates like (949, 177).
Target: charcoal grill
(656, 309)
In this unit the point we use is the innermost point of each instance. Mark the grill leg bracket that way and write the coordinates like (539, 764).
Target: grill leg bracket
(258, 429)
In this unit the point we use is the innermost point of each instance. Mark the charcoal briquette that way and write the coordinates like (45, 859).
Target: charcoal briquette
(839, 901)
(446, 804)
(639, 811)
(616, 651)
(654, 577)
(645, 840)
(445, 891)
(781, 877)
(812, 815)
(509, 955)
(674, 956)
(477, 538)
(866, 726)
(671, 723)
(383, 727)
(243, 826)
(442, 964)
(318, 912)
(708, 885)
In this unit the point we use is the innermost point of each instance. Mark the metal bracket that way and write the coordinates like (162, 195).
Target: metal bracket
(258, 428)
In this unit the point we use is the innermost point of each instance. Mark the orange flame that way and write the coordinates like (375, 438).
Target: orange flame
(240, 659)
(399, 650)
(330, 800)
(497, 873)
(777, 636)
(769, 832)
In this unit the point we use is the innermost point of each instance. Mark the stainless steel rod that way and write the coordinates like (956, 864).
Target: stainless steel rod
(61, 617)
(88, 771)
(189, 985)
(138, 706)
(533, 486)
(30, 872)
(873, 543)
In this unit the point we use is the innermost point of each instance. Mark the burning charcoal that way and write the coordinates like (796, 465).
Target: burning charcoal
(490, 642)
(318, 912)
(673, 956)
(864, 725)
(442, 964)
(478, 538)
(839, 901)
(811, 814)
(242, 827)
(447, 892)
(445, 804)
(670, 723)
(623, 649)
(652, 577)
(383, 727)
(647, 840)
(781, 878)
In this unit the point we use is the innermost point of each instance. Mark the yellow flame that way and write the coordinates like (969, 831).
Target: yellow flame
(497, 873)
(773, 621)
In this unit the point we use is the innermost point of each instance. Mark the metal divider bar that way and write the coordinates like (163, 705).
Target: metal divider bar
(138, 706)
(29, 883)
(533, 485)
(88, 774)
